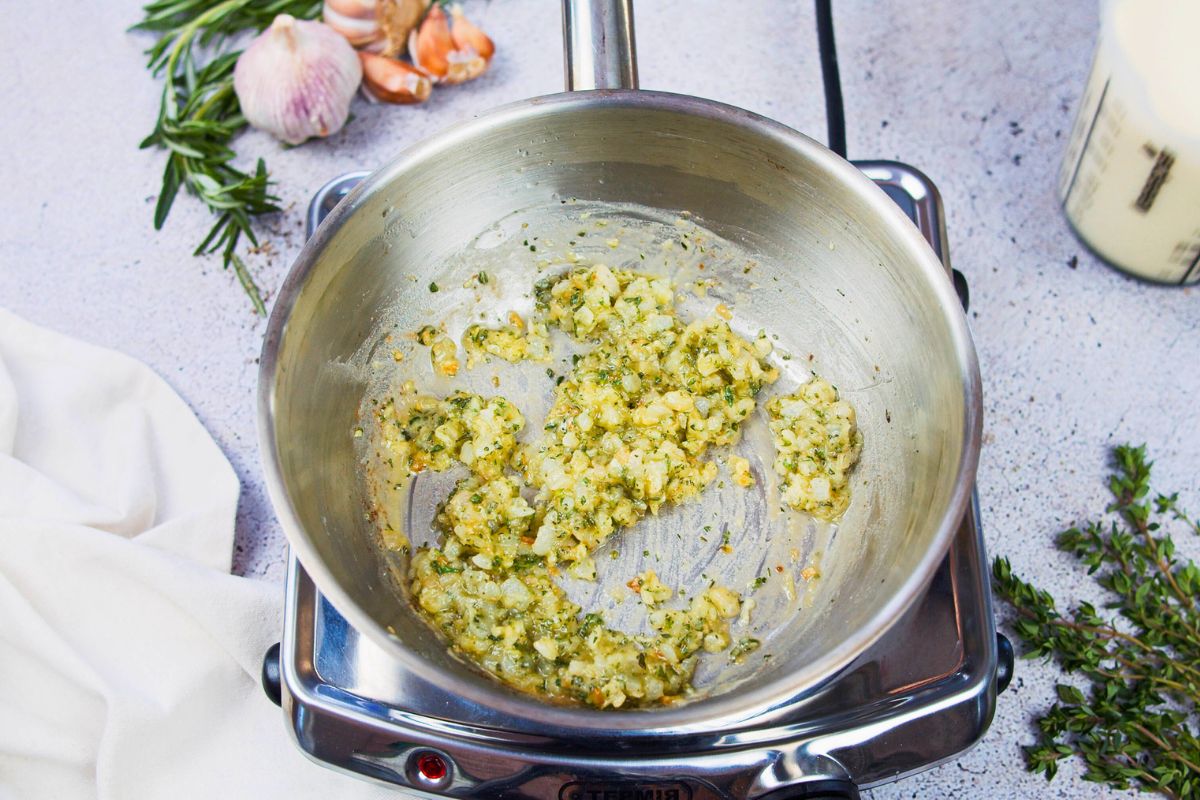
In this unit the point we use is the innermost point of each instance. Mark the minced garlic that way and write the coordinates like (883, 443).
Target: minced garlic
(630, 424)
(443, 352)
(495, 600)
(651, 590)
(816, 445)
(739, 469)
(419, 432)
(626, 434)
(511, 342)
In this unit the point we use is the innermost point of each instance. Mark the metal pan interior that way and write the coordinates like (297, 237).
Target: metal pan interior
(838, 273)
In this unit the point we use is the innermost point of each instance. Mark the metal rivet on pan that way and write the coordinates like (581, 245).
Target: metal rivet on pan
(428, 769)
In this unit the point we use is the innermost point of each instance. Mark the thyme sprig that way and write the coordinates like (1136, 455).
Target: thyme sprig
(1135, 720)
(199, 116)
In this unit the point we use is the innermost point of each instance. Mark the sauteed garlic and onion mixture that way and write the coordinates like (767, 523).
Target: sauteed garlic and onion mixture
(633, 429)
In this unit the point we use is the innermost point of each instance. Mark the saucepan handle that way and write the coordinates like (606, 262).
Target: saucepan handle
(599, 48)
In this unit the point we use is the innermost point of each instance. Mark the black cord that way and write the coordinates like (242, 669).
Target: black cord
(835, 113)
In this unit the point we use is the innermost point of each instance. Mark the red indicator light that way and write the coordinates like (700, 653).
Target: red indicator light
(432, 767)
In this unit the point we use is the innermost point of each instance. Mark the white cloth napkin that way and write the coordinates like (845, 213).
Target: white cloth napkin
(129, 657)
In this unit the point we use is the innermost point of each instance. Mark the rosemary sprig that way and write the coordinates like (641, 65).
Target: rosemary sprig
(199, 116)
(1135, 722)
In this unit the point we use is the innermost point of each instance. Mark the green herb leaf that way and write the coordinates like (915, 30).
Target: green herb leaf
(199, 117)
(1135, 724)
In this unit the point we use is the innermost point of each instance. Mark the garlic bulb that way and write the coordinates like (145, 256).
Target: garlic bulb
(296, 80)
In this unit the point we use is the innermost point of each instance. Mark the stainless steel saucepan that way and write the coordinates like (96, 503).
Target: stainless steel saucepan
(839, 273)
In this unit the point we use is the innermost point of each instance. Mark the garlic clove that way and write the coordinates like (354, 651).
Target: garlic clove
(468, 36)
(381, 26)
(452, 54)
(463, 66)
(397, 18)
(296, 80)
(391, 81)
(412, 50)
(356, 20)
(431, 43)
(356, 9)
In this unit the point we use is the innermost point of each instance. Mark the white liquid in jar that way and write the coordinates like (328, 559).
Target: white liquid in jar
(1130, 179)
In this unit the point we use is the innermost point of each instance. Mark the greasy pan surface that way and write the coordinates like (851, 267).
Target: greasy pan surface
(840, 273)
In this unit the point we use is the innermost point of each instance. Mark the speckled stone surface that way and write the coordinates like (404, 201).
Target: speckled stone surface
(979, 95)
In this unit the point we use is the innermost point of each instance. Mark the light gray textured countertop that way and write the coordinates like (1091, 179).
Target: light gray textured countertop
(979, 95)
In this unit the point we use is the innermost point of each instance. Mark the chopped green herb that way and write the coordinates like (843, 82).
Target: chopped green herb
(590, 621)
(526, 560)
(743, 648)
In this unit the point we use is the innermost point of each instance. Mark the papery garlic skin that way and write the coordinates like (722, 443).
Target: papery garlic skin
(430, 44)
(463, 66)
(378, 26)
(296, 80)
(354, 19)
(396, 19)
(467, 35)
